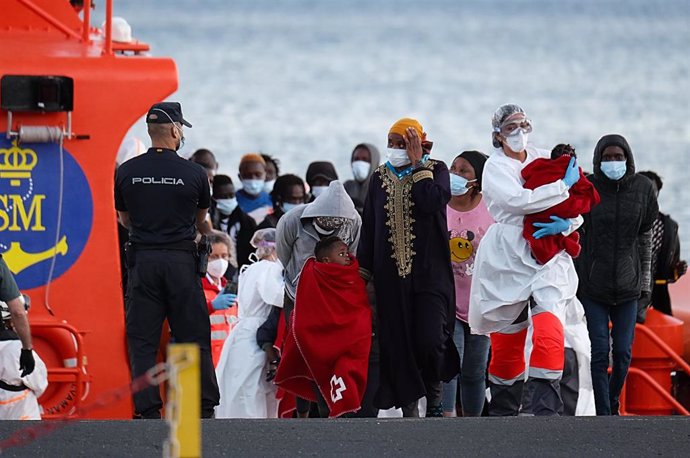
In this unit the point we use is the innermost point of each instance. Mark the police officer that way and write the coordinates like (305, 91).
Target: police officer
(9, 293)
(162, 199)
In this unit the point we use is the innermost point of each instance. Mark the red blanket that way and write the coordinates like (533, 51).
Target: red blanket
(287, 404)
(329, 337)
(583, 196)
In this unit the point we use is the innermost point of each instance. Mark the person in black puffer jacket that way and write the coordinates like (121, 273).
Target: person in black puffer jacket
(614, 266)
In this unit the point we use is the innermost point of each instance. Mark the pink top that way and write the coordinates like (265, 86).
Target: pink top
(466, 231)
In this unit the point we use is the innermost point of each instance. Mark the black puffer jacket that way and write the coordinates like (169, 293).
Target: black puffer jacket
(616, 236)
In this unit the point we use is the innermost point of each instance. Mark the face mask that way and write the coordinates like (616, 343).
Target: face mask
(614, 169)
(323, 232)
(287, 206)
(360, 170)
(458, 184)
(398, 157)
(517, 141)
(226, 206)
(253, 187)
(180, 145)
(268, 185)
(217, 267)
(316, 191)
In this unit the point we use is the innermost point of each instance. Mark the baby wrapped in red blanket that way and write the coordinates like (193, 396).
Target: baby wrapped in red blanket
(329, 336)
(583, 196)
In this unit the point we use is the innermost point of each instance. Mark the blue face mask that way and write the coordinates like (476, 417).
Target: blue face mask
(614, 170)
(253, 187)
(226, 206)
(458, 184)
(287, 206)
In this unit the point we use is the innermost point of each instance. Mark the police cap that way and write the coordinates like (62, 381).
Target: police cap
(166, 113)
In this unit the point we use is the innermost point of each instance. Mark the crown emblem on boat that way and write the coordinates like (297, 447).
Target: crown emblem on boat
(17, 163)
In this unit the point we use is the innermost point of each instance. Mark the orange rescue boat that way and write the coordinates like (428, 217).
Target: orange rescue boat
(69, 95)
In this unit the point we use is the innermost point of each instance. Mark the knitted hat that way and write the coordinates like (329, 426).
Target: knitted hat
(477, 161)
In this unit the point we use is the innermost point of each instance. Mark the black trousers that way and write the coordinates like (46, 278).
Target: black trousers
(164, 284)
(570, 382)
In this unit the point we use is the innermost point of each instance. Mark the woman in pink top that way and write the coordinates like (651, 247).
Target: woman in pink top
(468, 221)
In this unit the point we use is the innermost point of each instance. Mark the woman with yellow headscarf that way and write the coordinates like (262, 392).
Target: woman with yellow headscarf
(404, 250)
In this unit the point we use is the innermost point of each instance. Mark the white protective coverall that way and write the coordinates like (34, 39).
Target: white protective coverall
(20, 405)
(241, 371)
(506, 273)
(577, 338)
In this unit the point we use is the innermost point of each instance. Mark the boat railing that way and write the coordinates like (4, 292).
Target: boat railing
(664, 347)
(653, 384)
(109, 47)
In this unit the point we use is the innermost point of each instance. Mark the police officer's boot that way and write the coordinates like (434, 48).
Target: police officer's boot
(505, 399)
(542, 397)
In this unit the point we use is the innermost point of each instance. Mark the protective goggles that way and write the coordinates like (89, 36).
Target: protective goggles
(511, 126)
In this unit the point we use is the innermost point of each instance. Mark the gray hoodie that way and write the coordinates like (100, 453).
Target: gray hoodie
(296, 237)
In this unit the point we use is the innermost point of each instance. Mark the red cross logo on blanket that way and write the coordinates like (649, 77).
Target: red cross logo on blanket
(337, 388)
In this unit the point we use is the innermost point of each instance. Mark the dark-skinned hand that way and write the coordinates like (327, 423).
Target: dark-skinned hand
(414, 145)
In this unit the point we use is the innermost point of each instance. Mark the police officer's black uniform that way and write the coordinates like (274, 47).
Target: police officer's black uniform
(162, 194)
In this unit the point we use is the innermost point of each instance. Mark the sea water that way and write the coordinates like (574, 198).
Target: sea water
(307, 80)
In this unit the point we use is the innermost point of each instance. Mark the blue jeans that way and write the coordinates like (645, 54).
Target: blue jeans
(474, 357)
(607, 389)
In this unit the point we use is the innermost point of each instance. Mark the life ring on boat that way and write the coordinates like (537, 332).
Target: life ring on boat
(58, 349)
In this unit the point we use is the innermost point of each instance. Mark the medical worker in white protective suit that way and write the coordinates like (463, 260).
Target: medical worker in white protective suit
(242, 367)
(18, 393)
(507, 275)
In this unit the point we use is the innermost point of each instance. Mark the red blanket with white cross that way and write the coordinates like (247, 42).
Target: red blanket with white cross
(329, 337)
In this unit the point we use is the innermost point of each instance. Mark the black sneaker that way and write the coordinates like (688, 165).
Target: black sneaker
(434, 411)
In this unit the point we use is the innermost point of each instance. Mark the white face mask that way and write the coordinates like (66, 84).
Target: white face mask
(268, 185)
(517, 141)
(398, 157)
(316, 191)
(217, 267)
(226, 206)
(253, 187)
(360, 170)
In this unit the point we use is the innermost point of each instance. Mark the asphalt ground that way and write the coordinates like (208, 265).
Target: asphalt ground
(521, 436)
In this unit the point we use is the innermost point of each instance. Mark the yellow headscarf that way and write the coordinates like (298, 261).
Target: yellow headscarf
(403, 124)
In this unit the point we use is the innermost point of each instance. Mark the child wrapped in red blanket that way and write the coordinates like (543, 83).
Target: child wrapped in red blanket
(329, 336)
(583, 196)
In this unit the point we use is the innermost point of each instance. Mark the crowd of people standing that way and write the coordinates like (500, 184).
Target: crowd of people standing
(463, 268)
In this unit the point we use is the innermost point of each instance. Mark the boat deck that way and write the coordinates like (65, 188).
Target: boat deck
(522, 436)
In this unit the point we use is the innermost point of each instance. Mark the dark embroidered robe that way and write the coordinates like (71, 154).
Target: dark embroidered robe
(404, 248)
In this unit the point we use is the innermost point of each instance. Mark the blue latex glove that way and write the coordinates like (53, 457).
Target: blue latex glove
(223, 301)
(559, 225)
(572, 173)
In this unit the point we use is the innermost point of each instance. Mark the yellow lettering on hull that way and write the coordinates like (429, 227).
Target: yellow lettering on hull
(18, 218)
